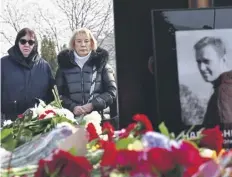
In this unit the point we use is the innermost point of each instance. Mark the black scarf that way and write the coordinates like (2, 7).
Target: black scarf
(17, 55)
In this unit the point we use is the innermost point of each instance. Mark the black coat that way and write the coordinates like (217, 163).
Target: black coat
(22, 83)
(74, 83)
(219, 109)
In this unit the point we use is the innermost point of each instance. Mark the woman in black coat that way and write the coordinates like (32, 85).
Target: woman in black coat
(25, 76)
(85, 81)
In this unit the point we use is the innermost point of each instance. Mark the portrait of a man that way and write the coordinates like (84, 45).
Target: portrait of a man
(204, 59)
(211, 58)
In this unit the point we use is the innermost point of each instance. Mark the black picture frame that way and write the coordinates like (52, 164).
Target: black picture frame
(165, 23)
(133, 46)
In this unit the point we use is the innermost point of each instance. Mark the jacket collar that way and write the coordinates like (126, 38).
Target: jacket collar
(225, 77)
(98, 58)
(16, 56)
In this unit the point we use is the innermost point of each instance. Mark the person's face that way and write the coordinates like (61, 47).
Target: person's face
(26, 44)
(209, 63)
(83, 44)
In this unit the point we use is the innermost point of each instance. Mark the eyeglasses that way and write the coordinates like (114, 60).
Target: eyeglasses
(24, 41)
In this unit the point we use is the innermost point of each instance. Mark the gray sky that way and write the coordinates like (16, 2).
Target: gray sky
(21, 5)
(48, 8)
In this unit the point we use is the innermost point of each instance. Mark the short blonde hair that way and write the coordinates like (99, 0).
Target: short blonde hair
(84, 31)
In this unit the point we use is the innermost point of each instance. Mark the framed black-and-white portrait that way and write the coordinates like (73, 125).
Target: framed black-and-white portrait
(193, 68)
(202, 56)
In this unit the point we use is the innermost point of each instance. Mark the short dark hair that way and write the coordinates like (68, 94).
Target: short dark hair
(215, 42)
(24, 32)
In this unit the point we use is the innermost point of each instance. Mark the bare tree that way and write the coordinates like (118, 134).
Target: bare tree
(48, 25)
(72, 14)
(93, 14)
(192, 108)
(68, 16)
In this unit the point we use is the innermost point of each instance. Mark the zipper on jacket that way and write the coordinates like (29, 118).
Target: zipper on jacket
(82, 83)
(27, 84)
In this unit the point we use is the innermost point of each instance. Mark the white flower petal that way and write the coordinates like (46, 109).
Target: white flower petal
(7, 122)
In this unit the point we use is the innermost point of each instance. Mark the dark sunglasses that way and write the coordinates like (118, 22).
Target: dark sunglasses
(24, 41)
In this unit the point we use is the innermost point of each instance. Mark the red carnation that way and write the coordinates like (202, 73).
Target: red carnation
(42, 116)
(212, 139)
(145, 169)
(92, 132)
(102, 143)
(108, 129)
(110, 153)
(50, 111)
(161, 159)
(143, 119)
(128, 158)
(128, 130)
(66, 164)
(131, 127)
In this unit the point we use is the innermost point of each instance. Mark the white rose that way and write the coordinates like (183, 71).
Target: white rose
(65, 113)
(7, 122)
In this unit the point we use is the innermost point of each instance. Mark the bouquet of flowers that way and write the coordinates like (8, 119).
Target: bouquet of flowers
(134, 151)
(34, 122)
(37, 133)
(139, 151)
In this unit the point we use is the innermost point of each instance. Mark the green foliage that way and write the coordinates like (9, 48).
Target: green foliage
(24, 129)
(164, 130)
(57, 101)
(176, 172)
(15, 136)
(95, 157)
(48, 52)
(118, 174)
(124, 142)
(24, 171)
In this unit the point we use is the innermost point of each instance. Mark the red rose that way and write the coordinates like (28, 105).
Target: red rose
(66, 164)
(20, 116)
(212, 139)
(161, 159)
(108, 129)
(92, 132)
(145, 122)
(187, 155)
